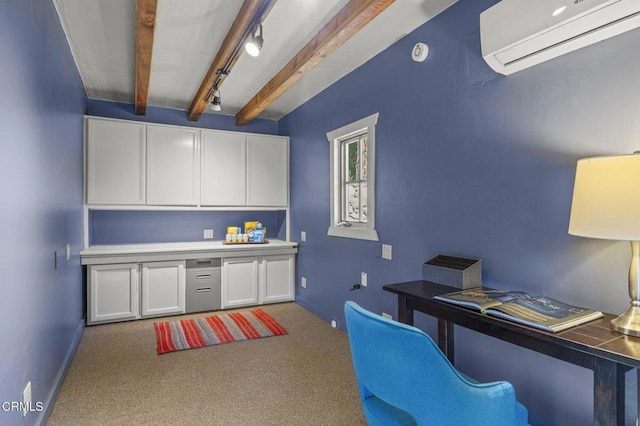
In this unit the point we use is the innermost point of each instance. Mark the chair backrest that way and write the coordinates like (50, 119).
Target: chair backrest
(401, 365)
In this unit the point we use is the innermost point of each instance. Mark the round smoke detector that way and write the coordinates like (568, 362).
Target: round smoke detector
(420, 52)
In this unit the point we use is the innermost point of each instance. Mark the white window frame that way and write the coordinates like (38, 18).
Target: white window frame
(363, 231)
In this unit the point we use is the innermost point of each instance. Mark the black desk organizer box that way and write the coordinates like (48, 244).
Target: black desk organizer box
(454, 271)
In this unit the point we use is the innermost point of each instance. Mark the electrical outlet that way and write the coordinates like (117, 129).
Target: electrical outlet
(303, 282)
(386, 251)
(26, 399)
(363, 279)
(386, 315)
(303, 236)
(334, 324)
(208, 234)
(67, 252)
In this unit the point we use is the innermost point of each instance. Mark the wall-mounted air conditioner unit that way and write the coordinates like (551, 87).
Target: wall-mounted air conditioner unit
(517, 34)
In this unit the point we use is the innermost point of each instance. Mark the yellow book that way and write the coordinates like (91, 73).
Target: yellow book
(250, 226)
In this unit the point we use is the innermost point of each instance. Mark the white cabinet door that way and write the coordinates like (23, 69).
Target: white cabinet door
(239, 282)
(223, 169)
(267, 170)
(172, 166)
(113, 293)
(277, 279)
(163, 288)
(115, 169)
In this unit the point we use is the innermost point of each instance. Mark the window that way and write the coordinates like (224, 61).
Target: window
(353, 180)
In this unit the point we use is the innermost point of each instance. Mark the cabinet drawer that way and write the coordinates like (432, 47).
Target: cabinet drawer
(203, 289)
(203, 276)
(203, 263)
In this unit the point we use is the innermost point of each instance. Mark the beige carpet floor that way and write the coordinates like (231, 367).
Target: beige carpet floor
(303, 378)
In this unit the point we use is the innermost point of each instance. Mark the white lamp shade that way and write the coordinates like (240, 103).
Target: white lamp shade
(606, 198)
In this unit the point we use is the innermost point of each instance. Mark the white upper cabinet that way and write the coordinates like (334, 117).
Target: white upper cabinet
(267, 170)
(172, 166)
(223, 168)
(115, 162)
(130, 163)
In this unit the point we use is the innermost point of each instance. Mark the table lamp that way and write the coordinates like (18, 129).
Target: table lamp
(606, 204)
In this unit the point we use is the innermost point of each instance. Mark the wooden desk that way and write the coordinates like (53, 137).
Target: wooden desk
(593, 345)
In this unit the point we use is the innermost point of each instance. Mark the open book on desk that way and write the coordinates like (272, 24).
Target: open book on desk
(540, 312)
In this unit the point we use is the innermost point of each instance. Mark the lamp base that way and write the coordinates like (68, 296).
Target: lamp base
(629, 322)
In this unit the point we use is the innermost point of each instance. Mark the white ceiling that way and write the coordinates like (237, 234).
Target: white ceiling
(188, 34)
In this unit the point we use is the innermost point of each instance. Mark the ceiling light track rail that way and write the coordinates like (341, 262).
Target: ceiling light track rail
(252, 13)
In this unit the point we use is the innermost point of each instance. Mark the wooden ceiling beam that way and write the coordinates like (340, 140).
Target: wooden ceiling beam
(250, 11)
(145, 28)
(346, 23)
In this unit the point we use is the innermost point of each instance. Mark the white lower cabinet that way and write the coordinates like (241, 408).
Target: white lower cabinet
(113, 293)
(277, 278)
(239, 282)
(257, 280)
(129, 291)
(163, 288)
(120, 292)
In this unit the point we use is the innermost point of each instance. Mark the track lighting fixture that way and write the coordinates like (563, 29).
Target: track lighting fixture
(216, 102)
(254, 43)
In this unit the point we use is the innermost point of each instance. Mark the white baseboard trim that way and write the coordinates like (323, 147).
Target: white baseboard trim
(55, 389)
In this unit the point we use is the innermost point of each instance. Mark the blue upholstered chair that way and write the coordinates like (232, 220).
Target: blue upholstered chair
(404, 379)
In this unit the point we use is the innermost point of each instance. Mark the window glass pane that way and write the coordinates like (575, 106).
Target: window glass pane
(355, 202)
(352, 160)
(354, 188)
(363, 157)
(352, 202)
(363, 202)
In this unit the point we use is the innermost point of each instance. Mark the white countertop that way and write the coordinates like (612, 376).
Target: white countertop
(101, 254)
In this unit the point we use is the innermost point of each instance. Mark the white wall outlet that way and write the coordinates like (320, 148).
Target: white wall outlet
(363, 279)
(386, 315)
(26, 399)
(208, 234)
(303, 236)
(303, 282)
(67, 252)
(334, 324)
(386, 251)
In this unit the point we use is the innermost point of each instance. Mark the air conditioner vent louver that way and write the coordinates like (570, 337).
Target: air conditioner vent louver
(516, 35)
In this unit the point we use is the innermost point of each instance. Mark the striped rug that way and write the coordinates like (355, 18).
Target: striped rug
(208, 331)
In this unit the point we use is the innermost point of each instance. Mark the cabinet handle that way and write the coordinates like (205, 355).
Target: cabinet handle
(203, 276)
(203, 289)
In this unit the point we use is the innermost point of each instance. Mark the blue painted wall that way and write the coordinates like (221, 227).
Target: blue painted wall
(473, 163)
(141, 226)
(42, 104)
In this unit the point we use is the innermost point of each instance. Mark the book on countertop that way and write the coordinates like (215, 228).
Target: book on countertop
(543, 313)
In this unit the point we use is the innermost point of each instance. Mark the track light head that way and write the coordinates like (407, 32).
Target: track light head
(216, 101)
(254, 43)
